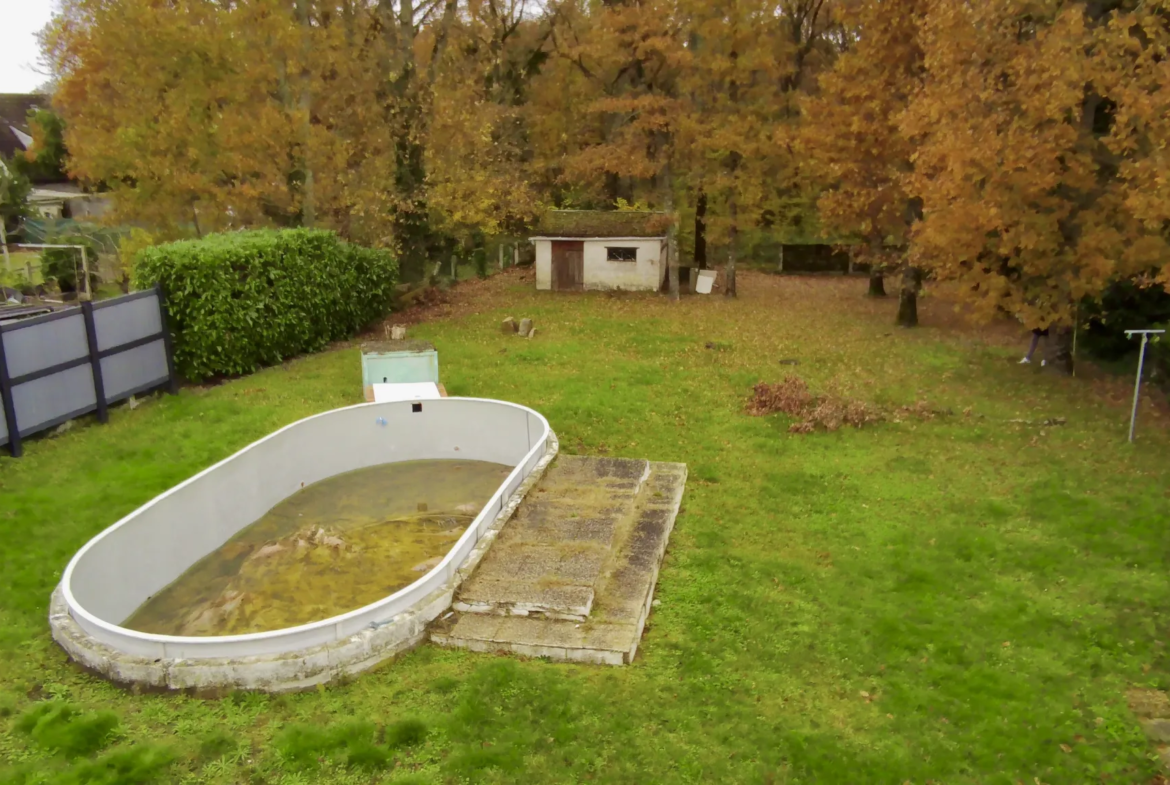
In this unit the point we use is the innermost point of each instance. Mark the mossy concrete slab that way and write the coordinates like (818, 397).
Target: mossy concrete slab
(552, 553)
(571, 577)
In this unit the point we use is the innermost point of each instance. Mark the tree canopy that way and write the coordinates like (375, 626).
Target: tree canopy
(1015, 146)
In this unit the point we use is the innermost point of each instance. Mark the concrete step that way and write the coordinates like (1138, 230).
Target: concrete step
(548, 558)
(568, 620)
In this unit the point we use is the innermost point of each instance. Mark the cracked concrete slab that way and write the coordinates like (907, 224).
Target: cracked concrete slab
(550, 555)
(571, 576)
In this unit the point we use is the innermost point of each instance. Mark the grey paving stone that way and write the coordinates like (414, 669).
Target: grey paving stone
(572, 575)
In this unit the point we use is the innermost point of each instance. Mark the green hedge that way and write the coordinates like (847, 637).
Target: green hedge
(243, 300)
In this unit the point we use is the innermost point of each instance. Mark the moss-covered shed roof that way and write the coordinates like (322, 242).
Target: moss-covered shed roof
(602, 223)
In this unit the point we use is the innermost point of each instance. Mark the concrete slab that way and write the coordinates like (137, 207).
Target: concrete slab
(527, 595)
(553, 551)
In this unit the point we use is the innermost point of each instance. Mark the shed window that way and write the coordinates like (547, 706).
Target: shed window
(613, 254)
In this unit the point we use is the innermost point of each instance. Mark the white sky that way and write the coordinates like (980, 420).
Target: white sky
(20, 21)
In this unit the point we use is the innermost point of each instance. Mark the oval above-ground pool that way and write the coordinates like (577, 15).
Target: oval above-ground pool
(121, 568)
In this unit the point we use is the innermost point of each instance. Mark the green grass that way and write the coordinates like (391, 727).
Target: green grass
(961, 600)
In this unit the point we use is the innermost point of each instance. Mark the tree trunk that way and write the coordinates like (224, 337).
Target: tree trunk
(701, 231)
(732, 232)
(672, 261)
(1058, 355)
(908, 298)
(671, 231)
(877, 283)
(308, 199)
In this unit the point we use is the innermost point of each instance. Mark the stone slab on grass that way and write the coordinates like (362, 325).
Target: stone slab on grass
(554, 551)
(531, 623)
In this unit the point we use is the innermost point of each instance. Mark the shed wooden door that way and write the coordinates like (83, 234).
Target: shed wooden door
(568, 265)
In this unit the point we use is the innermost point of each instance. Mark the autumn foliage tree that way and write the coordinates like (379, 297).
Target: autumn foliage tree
(479, 176)
(1016, 147)
(1013, 146)
(1039, 132)
(739, 62)
(851, 131)
(199, 115)
(168, 107)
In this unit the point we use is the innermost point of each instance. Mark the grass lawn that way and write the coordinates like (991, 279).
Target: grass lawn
(966, 599)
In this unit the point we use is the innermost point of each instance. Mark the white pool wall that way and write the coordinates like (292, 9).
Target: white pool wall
(126, 564)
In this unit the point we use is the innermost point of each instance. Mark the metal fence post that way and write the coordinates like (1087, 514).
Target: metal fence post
(1137, 387)
(95, 361)
(14, 445)
(173, 384)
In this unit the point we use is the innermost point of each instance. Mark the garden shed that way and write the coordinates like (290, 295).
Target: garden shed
(596, 249)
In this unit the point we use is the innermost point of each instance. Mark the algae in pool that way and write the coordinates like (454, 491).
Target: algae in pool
(330, 548)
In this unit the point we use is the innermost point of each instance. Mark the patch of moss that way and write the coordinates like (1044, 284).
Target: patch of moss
(65, 729)
(602, 223)
(135, 765)
(351, 744)
(406, 733)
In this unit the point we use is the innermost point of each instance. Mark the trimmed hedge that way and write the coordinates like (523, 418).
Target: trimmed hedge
(242, 300)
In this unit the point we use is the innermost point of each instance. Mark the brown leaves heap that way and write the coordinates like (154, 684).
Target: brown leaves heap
(827, 412)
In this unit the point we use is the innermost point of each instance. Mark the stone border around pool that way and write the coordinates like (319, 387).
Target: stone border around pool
(289, 671)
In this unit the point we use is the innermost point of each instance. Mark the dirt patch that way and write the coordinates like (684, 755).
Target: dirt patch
(462, 299)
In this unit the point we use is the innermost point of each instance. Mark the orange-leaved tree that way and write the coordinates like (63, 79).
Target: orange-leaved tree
(622, 62)
(850, 131)
(479, 179)
(169, 108)
(737, 81)
(1042, 134)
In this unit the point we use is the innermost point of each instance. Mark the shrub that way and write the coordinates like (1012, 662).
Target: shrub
(243, 300)
(1158, 353)
(129, 246)
(1125, 305)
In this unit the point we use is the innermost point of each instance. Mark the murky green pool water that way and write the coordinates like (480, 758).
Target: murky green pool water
(330, 548)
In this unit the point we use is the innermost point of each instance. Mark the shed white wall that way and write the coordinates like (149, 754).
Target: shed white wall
(602, 274)
(644, 274)
(543, 263)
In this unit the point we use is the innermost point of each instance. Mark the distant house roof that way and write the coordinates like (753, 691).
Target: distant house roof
(602, 223)
(15, 135)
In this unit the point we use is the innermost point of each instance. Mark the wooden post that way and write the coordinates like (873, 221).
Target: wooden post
(95, 362)
(515, 254)
(85, 274)
(780, 262)
(501, 255)
(453, 263)
(9, 406)
(173, 383)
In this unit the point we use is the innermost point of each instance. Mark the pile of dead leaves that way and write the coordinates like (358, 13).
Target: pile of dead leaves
(824, 412)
